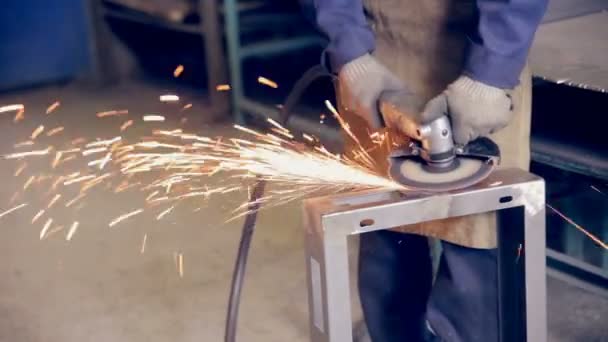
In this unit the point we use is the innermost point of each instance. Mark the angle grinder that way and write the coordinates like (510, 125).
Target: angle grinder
(431, 161)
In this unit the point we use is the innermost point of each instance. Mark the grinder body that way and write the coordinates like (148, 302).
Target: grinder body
(432, 161)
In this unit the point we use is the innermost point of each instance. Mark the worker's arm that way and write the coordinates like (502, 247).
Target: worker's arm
(478, 102)
(362, 78)
(500, 45)
(344, 24)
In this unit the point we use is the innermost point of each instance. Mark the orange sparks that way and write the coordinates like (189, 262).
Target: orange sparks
(15, 208)
(124, 185)
(182, 160)
(165, 212)
(125, 216)
(78, 141)
(72, 150)
(116, 146)
(112, 113)
(24, 143)
(178, 70)
(27, 154)
(160, 199)
(72, 230)
(94, 150)
(46, 227)
(67, 159)
(73, 175)
(169, 98)
(55, 131)
(265, 81)
(56, 159)
(366, 158)
(276, 124)
(74, 200)
(56, 182)
(37, 216)
(28, 182)
(11, 108)
(52, 107)
(150, 196)
(100, 178)
(107, 142)
(308, 137)
(94, 182)
(20, 169)
(37, 132)
(78, 179)
(188, 106)
(247, 130)
(180, 264)
(143, 244)
(155, 118)
(54, 230)
(53, 201)
(284, 133)
(581, 229)
(42, 178)
(222, 87)
(19, 116)
(101, 162)
(126, 125)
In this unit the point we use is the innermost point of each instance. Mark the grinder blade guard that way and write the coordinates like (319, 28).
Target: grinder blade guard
(469, 165)
(432, 161)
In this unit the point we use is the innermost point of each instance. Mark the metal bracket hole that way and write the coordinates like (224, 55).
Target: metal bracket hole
(505, 199)
(366, 223)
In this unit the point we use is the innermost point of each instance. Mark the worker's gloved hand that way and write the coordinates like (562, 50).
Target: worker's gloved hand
(475, 109)
(361, 82)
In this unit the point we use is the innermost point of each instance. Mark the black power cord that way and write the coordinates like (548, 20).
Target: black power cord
(254, 206)
(241, 260)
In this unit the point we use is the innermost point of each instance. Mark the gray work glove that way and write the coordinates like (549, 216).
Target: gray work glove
(475, 109)
(361, 82)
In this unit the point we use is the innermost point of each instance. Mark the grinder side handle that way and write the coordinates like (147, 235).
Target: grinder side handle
(400, 110)
(397, 111)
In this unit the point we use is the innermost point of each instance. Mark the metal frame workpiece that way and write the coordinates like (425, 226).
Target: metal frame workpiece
(518, 198)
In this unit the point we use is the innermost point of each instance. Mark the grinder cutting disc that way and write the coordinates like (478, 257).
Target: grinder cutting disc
(412, 172)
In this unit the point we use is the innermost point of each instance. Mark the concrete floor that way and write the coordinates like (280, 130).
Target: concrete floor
(99, 287)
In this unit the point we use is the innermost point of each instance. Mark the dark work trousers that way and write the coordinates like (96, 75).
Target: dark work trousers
(398, 297)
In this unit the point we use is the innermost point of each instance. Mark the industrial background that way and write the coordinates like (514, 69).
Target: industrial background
(79, 58)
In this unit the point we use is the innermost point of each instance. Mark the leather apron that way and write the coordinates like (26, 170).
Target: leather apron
(423, 42)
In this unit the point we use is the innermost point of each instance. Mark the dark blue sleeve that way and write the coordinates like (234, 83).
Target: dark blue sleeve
(344, 24)
(499, 48)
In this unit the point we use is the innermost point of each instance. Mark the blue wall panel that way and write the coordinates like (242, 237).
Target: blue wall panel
(42, 41)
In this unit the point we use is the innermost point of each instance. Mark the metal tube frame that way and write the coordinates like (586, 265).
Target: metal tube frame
(237, 53)
(517, 197)
(215, 57)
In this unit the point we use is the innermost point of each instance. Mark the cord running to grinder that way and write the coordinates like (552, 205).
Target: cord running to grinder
(254, 205)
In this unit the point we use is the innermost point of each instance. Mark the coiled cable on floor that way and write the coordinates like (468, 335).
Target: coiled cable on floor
(254, 206)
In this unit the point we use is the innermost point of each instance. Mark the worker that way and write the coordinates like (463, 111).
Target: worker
(463, 57)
